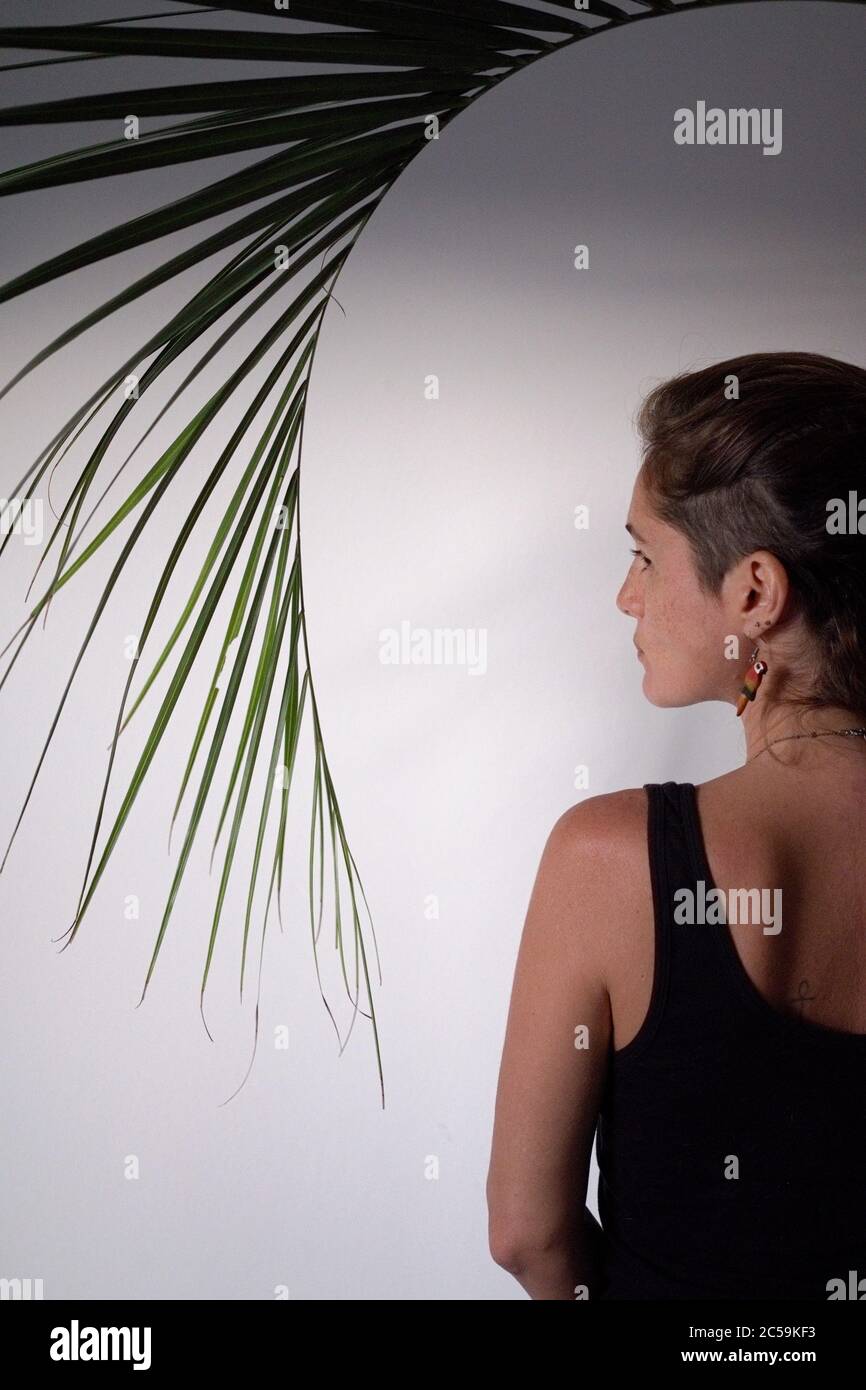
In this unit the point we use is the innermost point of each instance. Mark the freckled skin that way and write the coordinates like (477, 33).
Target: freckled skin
(687, 639)
(683, 632)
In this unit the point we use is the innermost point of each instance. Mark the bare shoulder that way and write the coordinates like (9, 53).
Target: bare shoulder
(613, 824)
(597, 855)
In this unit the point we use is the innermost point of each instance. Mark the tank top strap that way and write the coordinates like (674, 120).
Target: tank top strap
(688, 996)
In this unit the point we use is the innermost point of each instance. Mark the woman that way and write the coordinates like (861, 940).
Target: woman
(722, 1055)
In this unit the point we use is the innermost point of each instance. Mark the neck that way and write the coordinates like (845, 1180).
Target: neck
(764, 722)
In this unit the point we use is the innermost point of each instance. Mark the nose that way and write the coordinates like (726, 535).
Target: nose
(627, 600)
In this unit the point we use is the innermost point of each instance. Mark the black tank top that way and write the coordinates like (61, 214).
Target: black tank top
(717, 1075)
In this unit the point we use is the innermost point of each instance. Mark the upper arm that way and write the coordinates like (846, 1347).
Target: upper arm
(558, 1033)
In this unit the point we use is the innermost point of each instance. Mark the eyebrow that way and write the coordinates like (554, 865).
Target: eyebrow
(636, 534)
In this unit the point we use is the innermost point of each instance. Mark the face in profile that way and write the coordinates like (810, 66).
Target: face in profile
(682, 634)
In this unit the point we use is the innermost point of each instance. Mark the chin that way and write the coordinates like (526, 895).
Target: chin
(668, 697)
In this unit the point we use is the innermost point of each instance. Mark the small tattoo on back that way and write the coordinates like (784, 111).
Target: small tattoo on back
(802, 997)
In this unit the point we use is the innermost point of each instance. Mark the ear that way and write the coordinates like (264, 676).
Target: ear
(760, 591)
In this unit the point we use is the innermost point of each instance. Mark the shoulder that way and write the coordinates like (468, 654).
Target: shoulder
(598, 857)
(613, 825)
(594, 875)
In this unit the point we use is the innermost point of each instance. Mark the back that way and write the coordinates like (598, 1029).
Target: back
(732, 1135)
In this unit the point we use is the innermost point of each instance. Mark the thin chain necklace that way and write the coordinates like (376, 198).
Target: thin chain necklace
(815, 733)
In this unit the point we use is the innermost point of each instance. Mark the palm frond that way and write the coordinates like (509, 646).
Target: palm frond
(333, 144)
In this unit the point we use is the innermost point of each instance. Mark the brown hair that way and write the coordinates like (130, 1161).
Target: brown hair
(757, 471)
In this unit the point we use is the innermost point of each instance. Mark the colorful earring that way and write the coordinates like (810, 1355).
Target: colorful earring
(751, 683)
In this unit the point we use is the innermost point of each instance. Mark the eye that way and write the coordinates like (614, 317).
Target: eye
(642, 556)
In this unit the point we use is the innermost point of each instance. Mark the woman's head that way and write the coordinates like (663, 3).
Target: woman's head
(734, 515)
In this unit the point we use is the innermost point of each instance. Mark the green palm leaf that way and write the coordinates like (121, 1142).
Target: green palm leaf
(326, 147)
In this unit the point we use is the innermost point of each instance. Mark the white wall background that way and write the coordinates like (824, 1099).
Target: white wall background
(456, 513)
